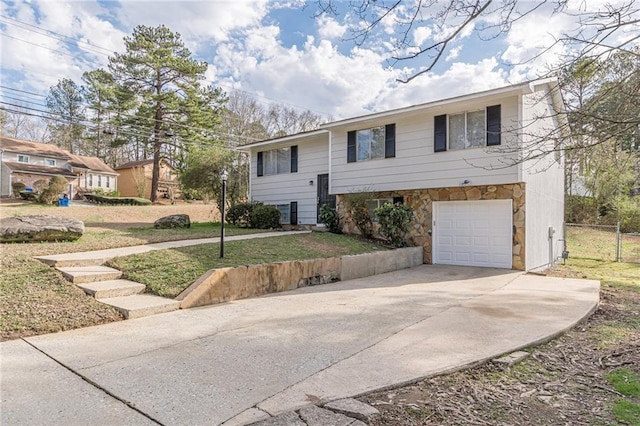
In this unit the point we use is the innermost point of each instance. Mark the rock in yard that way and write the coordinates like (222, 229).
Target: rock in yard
(173, 221)
(354, 408)
(40, 228)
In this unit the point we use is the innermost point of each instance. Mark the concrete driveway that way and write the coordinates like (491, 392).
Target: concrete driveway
(249, 359)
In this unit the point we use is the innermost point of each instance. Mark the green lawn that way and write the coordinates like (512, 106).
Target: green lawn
(168, 272)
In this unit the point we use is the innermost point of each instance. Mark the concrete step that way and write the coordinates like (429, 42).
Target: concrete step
(141, 305)
(63, 261)
(88, 274)
(112, 288)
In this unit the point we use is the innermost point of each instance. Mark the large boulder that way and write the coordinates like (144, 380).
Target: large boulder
(173, 221)
(40, 228)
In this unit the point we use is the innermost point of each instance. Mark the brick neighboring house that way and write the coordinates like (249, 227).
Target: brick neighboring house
(135, 180)
(34, 164)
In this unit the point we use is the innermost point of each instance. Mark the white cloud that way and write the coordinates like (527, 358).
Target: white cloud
(329, 28)
(421, 34)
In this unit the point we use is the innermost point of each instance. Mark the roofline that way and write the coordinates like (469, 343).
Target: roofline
(40, 154)
(528, 86)
(282, 139)
(39, 173)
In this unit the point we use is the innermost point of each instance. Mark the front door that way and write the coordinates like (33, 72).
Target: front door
(323, 194)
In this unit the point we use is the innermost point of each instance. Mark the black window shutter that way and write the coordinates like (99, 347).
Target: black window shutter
(440, 133)
(493, 125)
(351, 146)
(260, 163)
(390, 141)
(398, 200)
(294, 159)
(293, 213)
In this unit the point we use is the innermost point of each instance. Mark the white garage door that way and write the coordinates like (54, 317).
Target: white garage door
(472, 233)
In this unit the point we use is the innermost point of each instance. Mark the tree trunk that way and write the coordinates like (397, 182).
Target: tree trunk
(157, 144)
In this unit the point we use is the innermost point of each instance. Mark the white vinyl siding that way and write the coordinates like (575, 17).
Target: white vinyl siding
(279, 189)
(416, 166)
(544, 189)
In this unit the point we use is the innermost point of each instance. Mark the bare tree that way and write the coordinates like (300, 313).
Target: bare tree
(612, 27)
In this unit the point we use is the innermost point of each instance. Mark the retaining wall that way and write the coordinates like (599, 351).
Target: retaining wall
(225, 284)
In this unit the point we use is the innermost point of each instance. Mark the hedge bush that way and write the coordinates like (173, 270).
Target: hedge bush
(331, 218)
(264, 217)
(117, 201)
(239, 214)
(394, 220)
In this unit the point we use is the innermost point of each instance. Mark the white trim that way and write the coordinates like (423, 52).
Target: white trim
(283, 139)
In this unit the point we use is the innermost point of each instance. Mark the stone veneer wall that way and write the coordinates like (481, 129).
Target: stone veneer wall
(421, 202)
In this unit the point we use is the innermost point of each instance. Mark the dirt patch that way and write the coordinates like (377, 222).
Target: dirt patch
(562, 382)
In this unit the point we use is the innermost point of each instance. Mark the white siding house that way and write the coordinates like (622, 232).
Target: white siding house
(472, 169)
(288, 178)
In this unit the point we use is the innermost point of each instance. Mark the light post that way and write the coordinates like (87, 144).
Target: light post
(224, 175)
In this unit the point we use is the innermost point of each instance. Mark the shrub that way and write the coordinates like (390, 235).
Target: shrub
(50, 195)
(17, 188)
(394, 220)
(331, 218)
(40, 185)
(356, 205)
(264, 217)
(240, 214)
(28, 196)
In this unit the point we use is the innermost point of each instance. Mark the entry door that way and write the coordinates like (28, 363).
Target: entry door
(323, 194)
(473, 233)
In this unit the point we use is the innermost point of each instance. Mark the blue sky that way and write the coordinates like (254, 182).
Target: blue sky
(277, 51)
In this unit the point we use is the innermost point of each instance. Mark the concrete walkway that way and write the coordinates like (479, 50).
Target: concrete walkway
(250, 359)
(98, 257)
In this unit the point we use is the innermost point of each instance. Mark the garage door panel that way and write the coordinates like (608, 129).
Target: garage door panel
(474, 233)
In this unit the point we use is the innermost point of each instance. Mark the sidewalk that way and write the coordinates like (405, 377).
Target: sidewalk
(251, 359)
(100, 256)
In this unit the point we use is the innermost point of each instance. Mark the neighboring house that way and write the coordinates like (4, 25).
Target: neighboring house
(34, 164)
(135, 180)
(455, 162)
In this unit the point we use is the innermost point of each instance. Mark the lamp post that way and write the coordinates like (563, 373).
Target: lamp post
(224, 175)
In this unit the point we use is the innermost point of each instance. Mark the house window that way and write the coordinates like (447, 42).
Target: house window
(107, 180)
(372, 143)
(467, 130)
(99, 180)
(167, 175)
(471, 129)
(23, 158)
(374, 203)
(50, 162)
(278, 161)
(90, 181)
(285, 213)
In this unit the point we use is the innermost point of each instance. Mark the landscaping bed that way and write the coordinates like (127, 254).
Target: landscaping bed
(169, 272)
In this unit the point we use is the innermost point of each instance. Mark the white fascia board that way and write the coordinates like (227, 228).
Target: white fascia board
(284, 139)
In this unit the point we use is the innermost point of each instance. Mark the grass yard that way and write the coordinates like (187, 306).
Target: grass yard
(168, 272)
(36, 299)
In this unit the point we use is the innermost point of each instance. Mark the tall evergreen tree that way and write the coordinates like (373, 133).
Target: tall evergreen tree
(67, 112)
(160, 71)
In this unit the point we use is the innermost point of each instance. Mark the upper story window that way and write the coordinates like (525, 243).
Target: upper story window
(278, 161)
(372, 143)
(471, 129)
(23, 158)
(167, 175)
(50, 162)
